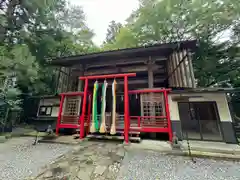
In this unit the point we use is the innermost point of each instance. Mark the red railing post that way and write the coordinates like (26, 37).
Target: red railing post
(168, 115)
(59, 114)
(83, 109)
(139, 121)
(126, 110)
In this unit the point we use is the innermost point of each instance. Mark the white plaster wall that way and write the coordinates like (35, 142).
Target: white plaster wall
(49, 102)
(55, 111)
(219, 98)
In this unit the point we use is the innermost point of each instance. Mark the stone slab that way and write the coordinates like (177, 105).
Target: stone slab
(214, 147)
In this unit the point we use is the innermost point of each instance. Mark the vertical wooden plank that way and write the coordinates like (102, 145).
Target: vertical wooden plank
(69, 79)
(174, 69)
(80, 82)
(172, 73)
(57, 80)
(167, 68)
(60, 86)
(191, 71)
(178, 69)
(185, 65)
(150, 76)
(183, 76)
(169, 71)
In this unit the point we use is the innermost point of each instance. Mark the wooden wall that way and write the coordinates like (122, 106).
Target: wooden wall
(64, 79)
(177, 69)
(180, 69)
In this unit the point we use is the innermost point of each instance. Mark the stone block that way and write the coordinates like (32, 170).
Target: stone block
(120, 152)
(3, 139)
(99, 170)
(85, 173)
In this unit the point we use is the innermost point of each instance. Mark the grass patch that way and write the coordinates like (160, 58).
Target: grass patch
(34, 133)
(31, 134)
(7, 135)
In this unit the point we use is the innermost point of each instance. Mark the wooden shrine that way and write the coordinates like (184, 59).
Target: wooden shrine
(144, 76)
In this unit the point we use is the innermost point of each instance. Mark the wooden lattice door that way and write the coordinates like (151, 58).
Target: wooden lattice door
(71, 110)
(152, 108)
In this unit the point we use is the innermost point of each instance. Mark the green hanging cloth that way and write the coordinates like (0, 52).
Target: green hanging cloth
(103, 108)
(95, 124)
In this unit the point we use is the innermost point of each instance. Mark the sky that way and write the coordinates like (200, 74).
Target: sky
(99, 13)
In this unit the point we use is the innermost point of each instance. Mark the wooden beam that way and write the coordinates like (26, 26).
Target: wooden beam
(139, 81)
(122, 70)
(122, 62)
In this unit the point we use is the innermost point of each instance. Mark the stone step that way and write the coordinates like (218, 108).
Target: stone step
(238, 133)
(93, 136)
(120, 132)
(237, 130)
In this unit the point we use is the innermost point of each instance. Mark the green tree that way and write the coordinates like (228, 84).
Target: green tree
(216, 61)
(112, 31)
(45, 29)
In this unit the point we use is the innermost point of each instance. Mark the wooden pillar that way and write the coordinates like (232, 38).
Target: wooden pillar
(57, 79)
(80, 88)
(151, 85)
(150, 75)
(80, 82)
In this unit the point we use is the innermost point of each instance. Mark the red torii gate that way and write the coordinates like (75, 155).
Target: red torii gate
(126, 100)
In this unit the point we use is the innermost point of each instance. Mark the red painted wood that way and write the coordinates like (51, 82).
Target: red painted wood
(69, 126)
(108, 76)
(89, 113)
(126, 110)
(83, 110)
(148, 91)
(168, 116)
(59, 114)
(72, 93)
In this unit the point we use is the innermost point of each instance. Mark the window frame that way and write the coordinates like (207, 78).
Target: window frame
(46, 108)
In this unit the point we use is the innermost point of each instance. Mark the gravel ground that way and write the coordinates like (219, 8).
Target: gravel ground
(20, 159)
(147, 165)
